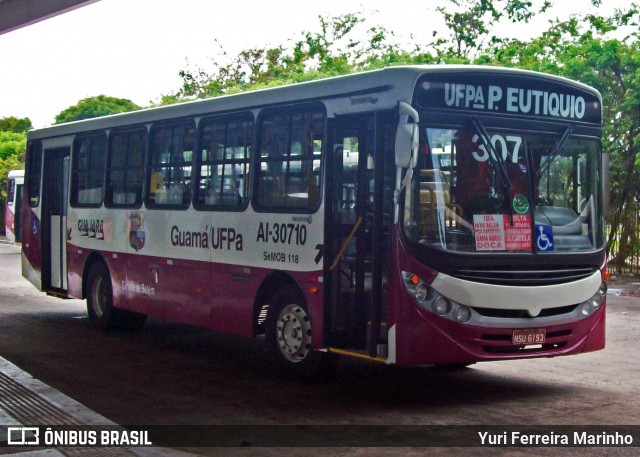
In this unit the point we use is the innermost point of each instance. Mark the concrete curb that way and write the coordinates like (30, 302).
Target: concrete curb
(72, 408)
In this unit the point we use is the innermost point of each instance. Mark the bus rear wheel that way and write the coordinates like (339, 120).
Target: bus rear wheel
(289, 336)
(102, 314)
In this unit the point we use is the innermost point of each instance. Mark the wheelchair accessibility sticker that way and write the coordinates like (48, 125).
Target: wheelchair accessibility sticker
(544, 237)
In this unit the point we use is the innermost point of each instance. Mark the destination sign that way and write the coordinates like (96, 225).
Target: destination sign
(521, 95)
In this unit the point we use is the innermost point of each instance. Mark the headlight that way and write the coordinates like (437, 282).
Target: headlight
(422, 292)
(597, 300)
(462, 314)
(430, 300)
(442, 306)
(586, 308)
(418, 289)
(603, 289)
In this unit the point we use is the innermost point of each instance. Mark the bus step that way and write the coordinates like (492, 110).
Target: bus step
(58, 293)
(357, 353)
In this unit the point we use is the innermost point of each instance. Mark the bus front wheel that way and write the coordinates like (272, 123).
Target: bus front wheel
(102, 314)
(289, 336)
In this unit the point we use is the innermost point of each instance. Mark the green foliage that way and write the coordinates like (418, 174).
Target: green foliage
(13, 124)
(91, 107)
(332, 51)
(12, 145)
(339, 48)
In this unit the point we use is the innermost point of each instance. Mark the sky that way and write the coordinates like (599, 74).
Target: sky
(134, 49)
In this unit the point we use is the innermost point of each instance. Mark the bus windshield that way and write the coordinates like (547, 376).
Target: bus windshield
(503, 191)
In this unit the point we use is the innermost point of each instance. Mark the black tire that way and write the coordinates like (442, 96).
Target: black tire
(102, 315)
(289, 337)
(130, 321)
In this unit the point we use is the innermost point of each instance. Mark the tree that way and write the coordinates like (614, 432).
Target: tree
(13, 124)
(471, 24)
(12, 150)
(91, 107)
(335, 49)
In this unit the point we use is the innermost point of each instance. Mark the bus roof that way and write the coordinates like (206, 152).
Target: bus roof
(388, 84)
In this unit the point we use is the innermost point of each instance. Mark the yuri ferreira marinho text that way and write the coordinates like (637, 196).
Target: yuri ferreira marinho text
(555, 439)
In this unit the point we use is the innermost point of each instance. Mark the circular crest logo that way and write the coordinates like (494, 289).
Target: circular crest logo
(520, 204)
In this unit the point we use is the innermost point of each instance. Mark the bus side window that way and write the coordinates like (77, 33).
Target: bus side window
(88, 166)
(290, 157)
(170, 157)
(223, 162)
(125, 168)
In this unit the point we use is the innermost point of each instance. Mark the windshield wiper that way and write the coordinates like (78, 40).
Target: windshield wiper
(496, 159)
(555, 152)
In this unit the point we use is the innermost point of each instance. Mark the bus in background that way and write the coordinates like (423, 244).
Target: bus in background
(15, 180)
(410, 215)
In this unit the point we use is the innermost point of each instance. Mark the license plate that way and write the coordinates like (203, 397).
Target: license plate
(524, 337)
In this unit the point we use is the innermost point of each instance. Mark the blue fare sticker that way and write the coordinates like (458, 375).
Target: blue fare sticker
(544, 237)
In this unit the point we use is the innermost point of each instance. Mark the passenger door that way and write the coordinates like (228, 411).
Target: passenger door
(55, 198)
(358, 229)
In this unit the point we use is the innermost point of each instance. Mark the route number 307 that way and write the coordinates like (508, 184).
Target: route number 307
(509, 145)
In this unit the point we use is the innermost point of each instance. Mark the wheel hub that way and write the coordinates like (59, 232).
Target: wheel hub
(294, 333)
